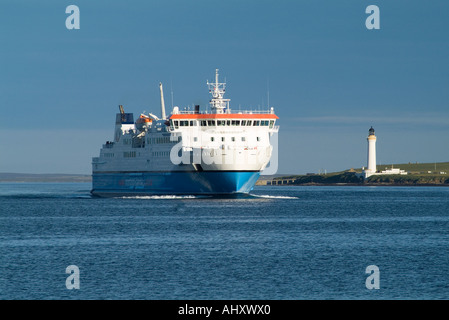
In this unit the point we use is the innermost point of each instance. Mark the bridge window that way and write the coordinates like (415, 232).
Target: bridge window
(131, 154)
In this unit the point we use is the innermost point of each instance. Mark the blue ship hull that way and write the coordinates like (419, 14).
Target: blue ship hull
(173, 182)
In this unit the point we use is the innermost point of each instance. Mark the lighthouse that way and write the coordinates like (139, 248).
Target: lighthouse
(371, 153)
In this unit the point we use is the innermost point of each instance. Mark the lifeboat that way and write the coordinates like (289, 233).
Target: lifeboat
(143, 123)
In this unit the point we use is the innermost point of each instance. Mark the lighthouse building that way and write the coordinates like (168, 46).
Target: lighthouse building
(372, 167)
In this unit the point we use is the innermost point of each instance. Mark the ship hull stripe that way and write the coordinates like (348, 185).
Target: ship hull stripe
(157, 183)
(171, 171)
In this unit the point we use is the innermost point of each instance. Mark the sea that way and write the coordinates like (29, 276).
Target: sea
(57, 242)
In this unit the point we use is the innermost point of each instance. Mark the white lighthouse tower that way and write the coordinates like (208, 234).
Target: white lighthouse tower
(371, 153)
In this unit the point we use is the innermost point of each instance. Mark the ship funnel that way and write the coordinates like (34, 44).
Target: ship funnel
(162, 101)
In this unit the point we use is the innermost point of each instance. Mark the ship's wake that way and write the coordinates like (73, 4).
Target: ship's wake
(266, 196)
(163, 197)
(211, 197)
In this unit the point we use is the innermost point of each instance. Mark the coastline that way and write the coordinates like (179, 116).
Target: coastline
(38, 177)
(356, 185)
(352, 178)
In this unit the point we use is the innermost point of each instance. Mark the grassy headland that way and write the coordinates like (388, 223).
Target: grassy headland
(419, 174)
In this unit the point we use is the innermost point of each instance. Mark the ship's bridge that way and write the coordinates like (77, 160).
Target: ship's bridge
(220, 113)
(265, 119)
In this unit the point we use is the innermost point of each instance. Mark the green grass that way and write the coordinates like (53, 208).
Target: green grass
(418, 168)
(410, 179)
(418, 174)
(330, 178)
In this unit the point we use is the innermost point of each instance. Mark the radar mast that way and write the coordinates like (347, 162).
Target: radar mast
(218, 104)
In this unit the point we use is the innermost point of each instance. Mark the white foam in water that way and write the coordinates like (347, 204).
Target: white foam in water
(274, 197)
(164, 197)
(169, 197)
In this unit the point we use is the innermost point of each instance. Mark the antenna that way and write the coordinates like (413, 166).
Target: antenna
(268, 92)
(162, 101)
(171, 91)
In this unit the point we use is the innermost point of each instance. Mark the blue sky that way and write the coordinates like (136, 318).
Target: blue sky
(330, 78)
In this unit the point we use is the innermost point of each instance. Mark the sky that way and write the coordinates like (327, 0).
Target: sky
(328, 77)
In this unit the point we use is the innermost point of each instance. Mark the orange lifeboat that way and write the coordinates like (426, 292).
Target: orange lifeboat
(143, 123)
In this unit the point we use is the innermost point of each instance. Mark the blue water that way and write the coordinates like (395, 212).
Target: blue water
(281, 243)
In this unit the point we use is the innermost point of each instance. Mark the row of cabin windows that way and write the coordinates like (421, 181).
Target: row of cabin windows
(130, 154)
(223, 139)
(159, 140)
(160, 154)
(213, 123)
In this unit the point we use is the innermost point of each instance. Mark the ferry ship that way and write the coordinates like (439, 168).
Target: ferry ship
(189, 152)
